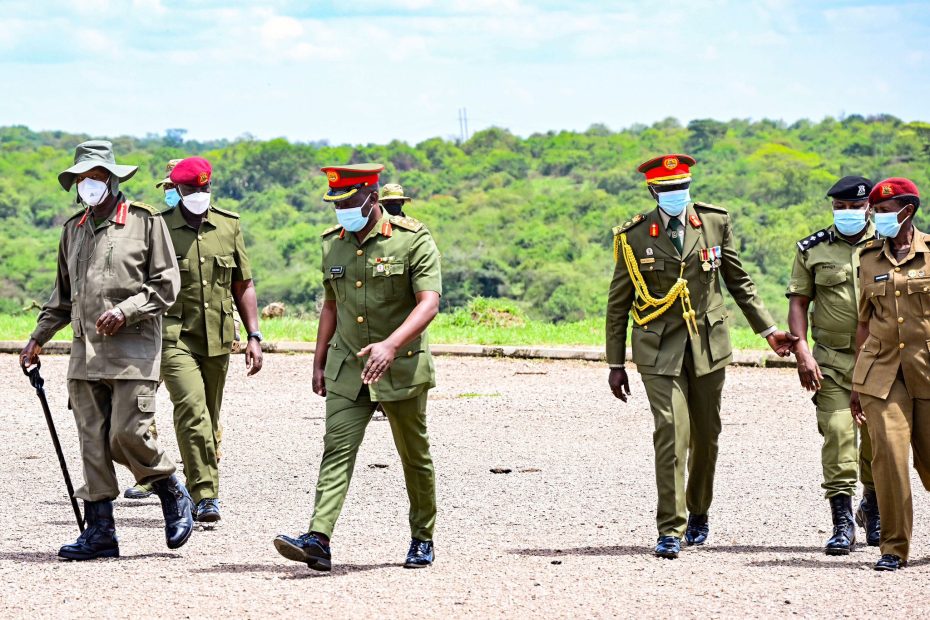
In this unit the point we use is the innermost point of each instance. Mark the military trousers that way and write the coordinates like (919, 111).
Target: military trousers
(897, 425)
(195, 384)
(686, 411)
(346, 421)
(842, 461)
(113, 418)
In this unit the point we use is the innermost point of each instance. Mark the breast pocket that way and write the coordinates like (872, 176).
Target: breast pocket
(338, 281)
(652, 274)
(223, 268)
(918, 290)
(829, 277)
(389, 277)
(875, 293)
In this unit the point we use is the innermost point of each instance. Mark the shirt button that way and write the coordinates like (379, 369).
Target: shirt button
(358, 284)
(360, 319)
(204, 282)
(900, 319)
(409, 353)
(900, 345)
(897, 269)
(206, 305)
(897, 293)
(359, 252)
(200, 237)
(202, 259)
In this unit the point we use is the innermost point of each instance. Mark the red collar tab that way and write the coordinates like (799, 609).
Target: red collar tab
(83, 218)
(386, 229)
(342, 233)
(654, 230)
(122, 210)
(695, 221)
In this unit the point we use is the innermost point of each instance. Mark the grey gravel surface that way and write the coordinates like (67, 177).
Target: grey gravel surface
(567, 532)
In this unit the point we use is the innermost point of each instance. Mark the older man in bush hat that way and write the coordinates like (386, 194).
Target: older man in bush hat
(116, 276)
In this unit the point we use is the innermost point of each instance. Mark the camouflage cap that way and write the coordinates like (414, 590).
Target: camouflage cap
(393, 191)
(168, 168)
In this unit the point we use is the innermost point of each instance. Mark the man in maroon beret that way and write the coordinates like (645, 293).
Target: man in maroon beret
(199, 329)
(891, 392)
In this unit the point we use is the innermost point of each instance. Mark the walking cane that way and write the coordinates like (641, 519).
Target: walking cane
(38, 383)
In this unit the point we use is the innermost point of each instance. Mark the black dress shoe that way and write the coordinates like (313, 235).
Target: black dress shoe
(307, 548)
(140, 491)
(668, 547)
(207, 511)
(177, 506)
(868, 517)
(99, 537)
(420, 554)
(844, 529)
(697, 530)
(889, 562)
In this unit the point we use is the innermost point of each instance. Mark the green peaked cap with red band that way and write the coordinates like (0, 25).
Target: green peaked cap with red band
(345, 181)
(667, 169)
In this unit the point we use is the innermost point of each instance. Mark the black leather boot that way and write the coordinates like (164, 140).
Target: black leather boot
(867, 517)
(844, 530)
(698, 529)
(99, 537)
(176, 505)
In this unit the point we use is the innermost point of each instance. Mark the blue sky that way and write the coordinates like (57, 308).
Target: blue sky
(374, 70)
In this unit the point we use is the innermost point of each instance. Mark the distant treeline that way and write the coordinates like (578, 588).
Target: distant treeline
(524, 219)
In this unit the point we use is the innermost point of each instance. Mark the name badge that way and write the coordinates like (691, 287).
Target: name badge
(882, 277)
(337, 271)
(647, 261)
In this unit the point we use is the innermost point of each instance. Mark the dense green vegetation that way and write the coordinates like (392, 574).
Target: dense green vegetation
(523, 219)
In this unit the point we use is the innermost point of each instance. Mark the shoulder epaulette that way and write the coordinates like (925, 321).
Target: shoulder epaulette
(636, 219)
(815, 239)
(872, 244)
(76, 214)
(330, 231)
(709, 207)
(225, 212)
(141, 205)
(407, 223)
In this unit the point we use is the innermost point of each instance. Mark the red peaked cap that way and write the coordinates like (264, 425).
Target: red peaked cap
(895, 187)
(195, 171)
(667, 169)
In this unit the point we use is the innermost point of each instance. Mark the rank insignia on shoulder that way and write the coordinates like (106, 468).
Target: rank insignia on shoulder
(815, 239)
(882, 277)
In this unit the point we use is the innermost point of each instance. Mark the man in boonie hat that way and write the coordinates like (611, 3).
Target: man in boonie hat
(117, 275)
(393, 199)
(381, 280)
(172, 197)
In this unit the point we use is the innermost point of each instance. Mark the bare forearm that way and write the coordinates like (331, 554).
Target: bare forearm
(798, 306)
(247, 302)
(418, 320)
(324, 333)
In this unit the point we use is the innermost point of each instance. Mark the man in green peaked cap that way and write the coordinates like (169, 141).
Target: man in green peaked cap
(382, 284)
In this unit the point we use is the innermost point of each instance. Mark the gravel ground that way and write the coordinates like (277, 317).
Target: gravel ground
(569, 532)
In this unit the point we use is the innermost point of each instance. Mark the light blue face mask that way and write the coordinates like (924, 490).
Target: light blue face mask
(172, 197)
(352, 219)
(674, 202)
(849, 222)
(887, 224)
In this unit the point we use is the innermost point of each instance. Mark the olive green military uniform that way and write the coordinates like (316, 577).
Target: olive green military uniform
(683, 375)
(125, 262)
(374, 284)
(824, 271)
(891, 376)
(198, 334)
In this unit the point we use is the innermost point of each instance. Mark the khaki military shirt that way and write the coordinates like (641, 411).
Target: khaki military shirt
(659, 346)
(210, 260)
(825, 270)
(374, 284)
(125, 262)
(895, 303)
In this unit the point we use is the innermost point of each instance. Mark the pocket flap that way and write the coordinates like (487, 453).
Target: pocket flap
(830, 278)
(387, 268)
(228, 306)
(918, 285)
(658, 265)
(225, 261)
(717, 315)
(146, 403)
(874, 289)
(176, 311)
(184, 264)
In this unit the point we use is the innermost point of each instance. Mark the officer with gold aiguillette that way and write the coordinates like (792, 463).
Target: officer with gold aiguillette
(382, 285)
(669, 266)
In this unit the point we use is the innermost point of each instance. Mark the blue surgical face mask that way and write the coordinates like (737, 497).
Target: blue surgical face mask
(674, 202)
(849, 222)
(887, 224)
(352, 219)
(172, 197)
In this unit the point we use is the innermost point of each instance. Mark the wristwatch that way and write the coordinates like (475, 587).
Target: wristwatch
(256, 335)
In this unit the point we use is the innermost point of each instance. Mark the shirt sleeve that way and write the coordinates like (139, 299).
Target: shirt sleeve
(243, 270)
(424, 260)
(802, 281)
(163, 282)
(56, 313)
(328, 293)
(865, 305)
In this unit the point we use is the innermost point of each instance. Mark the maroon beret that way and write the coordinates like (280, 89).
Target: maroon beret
(895, 187)
(192, 171)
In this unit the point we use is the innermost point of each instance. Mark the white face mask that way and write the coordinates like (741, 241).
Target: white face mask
(197, 203)
(92, 192)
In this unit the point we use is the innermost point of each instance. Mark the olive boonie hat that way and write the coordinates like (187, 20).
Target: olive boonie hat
(93, 154)
(393, 191)
(168, 168)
